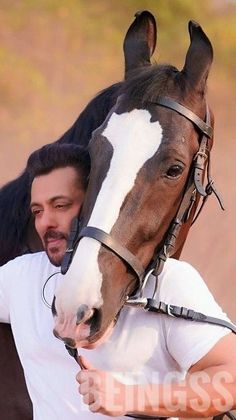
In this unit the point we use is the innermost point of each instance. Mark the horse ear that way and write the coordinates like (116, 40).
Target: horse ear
(140, 41)
(199, 57)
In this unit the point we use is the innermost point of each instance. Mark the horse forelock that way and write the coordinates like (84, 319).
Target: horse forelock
(149, 83)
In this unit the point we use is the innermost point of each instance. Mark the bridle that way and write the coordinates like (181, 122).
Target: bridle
(194, 186)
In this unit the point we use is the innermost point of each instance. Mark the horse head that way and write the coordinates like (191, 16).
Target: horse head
(141, 160)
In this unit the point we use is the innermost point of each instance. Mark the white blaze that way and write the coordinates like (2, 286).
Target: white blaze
(134, 140)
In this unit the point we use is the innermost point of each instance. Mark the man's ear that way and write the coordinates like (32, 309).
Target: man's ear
(140, 41)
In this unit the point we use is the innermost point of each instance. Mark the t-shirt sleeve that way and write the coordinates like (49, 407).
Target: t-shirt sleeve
(189, 341)
(5, 278)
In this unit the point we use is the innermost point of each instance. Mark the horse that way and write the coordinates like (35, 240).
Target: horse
(17, 230)
(148, 161)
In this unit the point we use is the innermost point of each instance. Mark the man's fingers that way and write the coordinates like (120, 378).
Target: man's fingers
(84, 388)
(84, 376)
(80, 377)
(95, 406)
(89, 398)
(86, 380)
(91, 377)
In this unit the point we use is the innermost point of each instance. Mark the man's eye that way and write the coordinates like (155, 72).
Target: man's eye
(61, 206)
(36, 212)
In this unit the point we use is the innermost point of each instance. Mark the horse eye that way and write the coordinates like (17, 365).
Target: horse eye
(174, 171)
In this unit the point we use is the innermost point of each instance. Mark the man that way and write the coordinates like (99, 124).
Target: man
(59, 176)
(58, 180)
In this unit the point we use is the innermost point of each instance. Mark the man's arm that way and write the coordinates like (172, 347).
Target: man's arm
(209, 389)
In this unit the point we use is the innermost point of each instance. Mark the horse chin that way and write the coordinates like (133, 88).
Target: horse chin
(99, 338)
(92, 340)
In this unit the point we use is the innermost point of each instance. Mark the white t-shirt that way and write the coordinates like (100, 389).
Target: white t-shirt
(143, 346)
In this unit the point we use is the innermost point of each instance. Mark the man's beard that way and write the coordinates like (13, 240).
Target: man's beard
(54, 259)
(56, 253)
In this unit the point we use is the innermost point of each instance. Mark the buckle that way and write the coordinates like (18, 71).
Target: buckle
(136, 302)
(169, 308)
(201, 154)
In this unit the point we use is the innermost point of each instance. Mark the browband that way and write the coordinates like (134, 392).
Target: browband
(186, 112)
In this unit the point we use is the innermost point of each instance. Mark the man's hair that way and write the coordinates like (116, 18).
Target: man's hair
(55, 156)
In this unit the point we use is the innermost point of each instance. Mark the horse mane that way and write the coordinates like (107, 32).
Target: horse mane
(92, 116)
(14, 202)
(14, 196)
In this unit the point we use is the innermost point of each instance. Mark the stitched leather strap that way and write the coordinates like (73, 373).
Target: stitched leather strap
(185, 313)
(186, 112)
(115, 246)
(74, 231)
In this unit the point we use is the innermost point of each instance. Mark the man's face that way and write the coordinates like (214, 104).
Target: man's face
(56, 198)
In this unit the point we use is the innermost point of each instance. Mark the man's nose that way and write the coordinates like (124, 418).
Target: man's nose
(48, 220)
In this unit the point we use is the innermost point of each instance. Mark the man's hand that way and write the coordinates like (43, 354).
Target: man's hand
(101, 391)
(208, 389)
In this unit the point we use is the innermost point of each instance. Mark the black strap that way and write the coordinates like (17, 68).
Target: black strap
(73, 352)
(74, 230)
(186, 112)
(228, 414)
(115, 246)
(185, 313)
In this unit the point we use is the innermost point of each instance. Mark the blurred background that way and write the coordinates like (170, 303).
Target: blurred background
(56, 54)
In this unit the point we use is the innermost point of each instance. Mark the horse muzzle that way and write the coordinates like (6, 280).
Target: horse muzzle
(77, 330)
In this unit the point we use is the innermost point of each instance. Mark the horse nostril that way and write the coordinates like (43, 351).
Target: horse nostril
(82, 313)
(54, 311)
